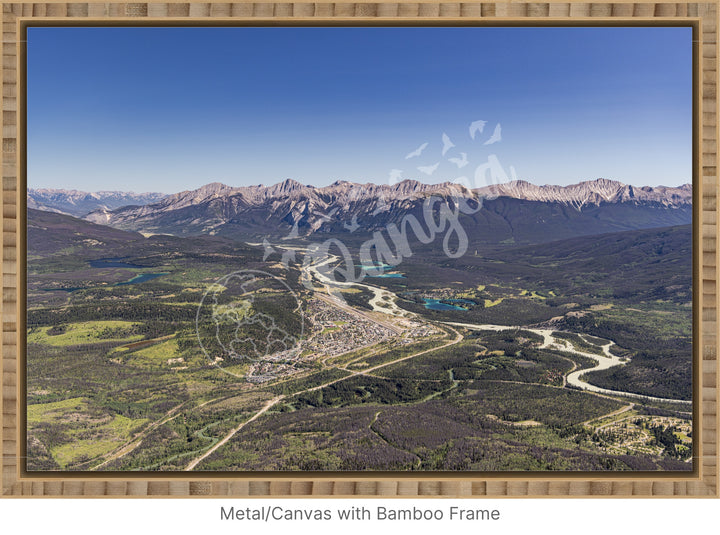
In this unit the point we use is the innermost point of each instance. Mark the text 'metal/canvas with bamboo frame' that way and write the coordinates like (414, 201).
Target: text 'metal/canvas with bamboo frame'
(701, 482)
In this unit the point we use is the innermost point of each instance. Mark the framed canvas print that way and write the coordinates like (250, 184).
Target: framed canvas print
(359, 249)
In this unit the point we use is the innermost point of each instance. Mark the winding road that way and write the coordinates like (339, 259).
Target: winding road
(604, 361)
(383, 301)
(274, 401)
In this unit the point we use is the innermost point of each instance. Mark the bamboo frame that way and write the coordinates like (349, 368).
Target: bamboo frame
(703, 481)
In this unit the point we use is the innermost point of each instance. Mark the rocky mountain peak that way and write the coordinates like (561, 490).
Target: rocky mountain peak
(323, 208)
(286, 187)
(591, 192)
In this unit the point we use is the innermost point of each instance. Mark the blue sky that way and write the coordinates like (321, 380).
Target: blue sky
(168, 109)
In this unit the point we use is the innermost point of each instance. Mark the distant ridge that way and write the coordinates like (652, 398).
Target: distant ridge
(300, 198)
(584, 193)
(80, 203)
(515, 212)
(592, 192)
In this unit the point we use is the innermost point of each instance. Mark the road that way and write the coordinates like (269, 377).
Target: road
(382, 300)
(137, 440)
(609, 415)
(339, 303)
(390, 308)
(605, 361)
(275, 400)
(231, 434)
(458, 338)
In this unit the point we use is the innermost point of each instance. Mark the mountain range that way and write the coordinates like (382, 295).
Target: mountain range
(514, 212)
(593, 192)
(80, 203)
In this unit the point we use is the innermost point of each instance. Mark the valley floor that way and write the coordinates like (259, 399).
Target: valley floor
(373, 384)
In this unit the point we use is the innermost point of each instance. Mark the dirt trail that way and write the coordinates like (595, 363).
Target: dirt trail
(274, 401)
(135, 441)
(609, 415)
(227, 437)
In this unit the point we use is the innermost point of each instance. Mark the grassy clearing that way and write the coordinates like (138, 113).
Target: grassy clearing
(90, 436)
(490, 303)
(123, 426)
(86, 332)
(233, 312)
(240, 370)
(81, 449)
(194, 360)
(155, 356)
(471, 294)
(43, 412)
(91, 442)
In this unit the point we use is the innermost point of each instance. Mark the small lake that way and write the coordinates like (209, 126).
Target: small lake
(379, 265)
(435, 304)
(112, 262)
(378, 271)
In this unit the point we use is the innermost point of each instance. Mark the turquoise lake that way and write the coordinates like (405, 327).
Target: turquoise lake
(379, 269)
(435, 304)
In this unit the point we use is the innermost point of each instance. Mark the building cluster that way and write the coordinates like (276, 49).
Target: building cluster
(632, 434)
(336, 331)
(415, 330)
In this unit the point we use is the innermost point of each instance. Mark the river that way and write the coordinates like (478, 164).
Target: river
(604, 361)
(384, 301)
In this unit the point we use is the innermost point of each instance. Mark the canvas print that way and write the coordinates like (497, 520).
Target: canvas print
(457, 249)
